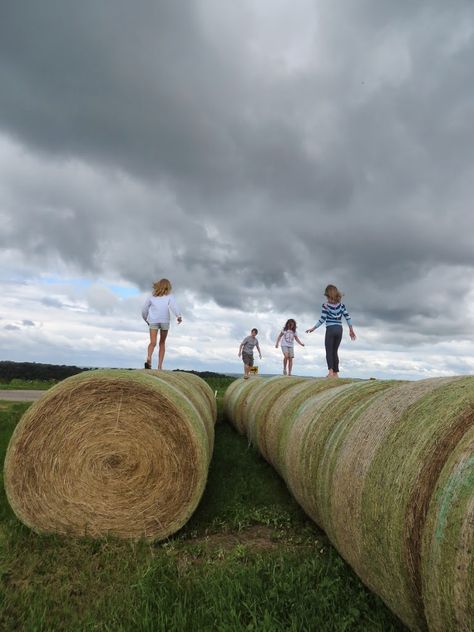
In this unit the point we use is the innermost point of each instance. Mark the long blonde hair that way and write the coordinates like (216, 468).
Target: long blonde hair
(333, 294)
(161, 287)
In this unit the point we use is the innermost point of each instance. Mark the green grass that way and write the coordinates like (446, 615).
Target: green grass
(19, 385)
(249, 559)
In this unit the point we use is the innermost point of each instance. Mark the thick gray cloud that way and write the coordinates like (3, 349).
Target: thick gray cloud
(252, 154)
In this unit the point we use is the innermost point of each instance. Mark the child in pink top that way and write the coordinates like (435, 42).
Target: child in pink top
(288, 336)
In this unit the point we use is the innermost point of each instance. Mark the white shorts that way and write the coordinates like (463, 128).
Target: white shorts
(156, 326)
(289, 351)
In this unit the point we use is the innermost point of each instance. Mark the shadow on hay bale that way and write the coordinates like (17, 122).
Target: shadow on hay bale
(387, 470)
(110, 452)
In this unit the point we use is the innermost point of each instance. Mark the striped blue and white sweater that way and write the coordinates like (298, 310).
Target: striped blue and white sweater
(332, 315)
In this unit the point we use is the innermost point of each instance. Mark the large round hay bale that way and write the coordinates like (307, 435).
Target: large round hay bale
(236, 400)
(111, 452)
(261, 402)
(199, 394)
(447, 564)
(386, 469)
(277, 415)
(394, 450)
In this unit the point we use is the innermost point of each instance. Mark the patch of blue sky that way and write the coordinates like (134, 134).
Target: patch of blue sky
(49, 279)
(124, 291)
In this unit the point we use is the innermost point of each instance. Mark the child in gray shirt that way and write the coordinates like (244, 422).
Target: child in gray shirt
(246, 351)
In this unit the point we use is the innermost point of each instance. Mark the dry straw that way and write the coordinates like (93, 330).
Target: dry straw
(387, 470)
(110, 452)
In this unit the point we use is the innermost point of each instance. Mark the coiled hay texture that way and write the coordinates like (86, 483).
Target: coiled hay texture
(111, 452)
(387, 470)
(447, 571)
(236, 398)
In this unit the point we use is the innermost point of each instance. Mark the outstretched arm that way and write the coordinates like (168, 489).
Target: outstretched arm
(322, 320)
(299, 341)
(278, 339)
(240, 349)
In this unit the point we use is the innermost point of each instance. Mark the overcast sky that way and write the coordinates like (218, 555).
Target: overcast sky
(252, 152)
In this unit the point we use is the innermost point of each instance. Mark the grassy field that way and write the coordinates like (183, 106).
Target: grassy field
(20, 385)
(248, 559)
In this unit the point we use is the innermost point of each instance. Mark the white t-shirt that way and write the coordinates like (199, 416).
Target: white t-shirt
(288, 338)
(157, 309)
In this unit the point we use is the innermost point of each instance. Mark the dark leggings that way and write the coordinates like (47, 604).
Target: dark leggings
(332, 342)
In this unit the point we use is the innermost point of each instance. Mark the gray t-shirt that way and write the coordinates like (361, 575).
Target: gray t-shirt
(248, 344)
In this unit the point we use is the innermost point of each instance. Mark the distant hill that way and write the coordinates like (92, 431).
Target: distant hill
(204, 373)
(38, 371)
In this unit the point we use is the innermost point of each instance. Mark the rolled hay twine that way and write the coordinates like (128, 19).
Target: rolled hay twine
(387, 470)
(111, 452)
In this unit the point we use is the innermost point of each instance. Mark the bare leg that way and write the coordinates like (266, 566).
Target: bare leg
(330, 373)
(290, 365)
(285, 363)
(152, 345)
(162, 348)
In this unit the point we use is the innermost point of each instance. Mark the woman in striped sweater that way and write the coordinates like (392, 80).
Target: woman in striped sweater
(331, 314)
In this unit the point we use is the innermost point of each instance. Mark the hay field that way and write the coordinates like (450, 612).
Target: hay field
(248, 559)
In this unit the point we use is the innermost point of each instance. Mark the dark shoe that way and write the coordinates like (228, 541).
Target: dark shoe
(147, 365)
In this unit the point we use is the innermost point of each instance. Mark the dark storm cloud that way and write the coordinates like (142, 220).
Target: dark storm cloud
(251, 181)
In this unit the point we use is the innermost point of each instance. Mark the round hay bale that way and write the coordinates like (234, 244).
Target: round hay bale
(396, 448)
(110, 452)
(447, 565)
(231, 395)
(236, 398)
(308, 447)
(386, 469)
(199, 394)
(259, 403)
(278, 416)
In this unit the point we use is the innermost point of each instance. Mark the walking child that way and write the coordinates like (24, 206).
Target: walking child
(156, 313)
(288, 336)
(331, 313)
(246, 351)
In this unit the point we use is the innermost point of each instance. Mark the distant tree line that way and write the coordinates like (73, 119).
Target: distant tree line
(203, 374)
(36, 371)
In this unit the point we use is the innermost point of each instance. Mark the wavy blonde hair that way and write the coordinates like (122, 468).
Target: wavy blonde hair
(161, 287)
(333, 294)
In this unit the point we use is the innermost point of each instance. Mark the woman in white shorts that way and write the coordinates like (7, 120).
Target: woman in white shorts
(156, 313)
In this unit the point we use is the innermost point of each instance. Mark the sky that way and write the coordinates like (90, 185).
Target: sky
(252, 153)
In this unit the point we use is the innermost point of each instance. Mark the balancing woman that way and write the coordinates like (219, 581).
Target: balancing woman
(156, 313)
(331, 314)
